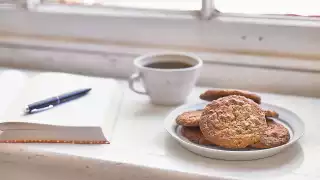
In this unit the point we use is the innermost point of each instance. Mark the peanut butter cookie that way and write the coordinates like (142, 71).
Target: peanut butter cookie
(233, 122)
(211, 95)
(275, 135)
(270, 113)
(194, 135)
(189, 118)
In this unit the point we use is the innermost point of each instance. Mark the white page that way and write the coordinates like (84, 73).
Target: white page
(12, 82)
(97, 108)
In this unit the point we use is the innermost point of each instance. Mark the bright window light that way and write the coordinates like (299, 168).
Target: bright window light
(278, 7)
(145, 4)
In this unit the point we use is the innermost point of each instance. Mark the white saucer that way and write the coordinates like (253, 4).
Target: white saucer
(289, 119)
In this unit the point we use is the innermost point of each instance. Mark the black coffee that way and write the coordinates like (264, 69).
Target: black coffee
(168, 65)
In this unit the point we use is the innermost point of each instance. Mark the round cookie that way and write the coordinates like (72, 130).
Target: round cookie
(270, 113)
(233, 122)
(189, 118)
(275, 135)
(211, 95)
(194, 135)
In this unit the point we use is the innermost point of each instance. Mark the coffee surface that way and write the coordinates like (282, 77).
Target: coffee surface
(168, 65)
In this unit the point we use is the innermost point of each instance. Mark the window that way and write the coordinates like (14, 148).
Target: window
(270, 7)
(224, 34)
(143, 4)
(226, 26)
(11, 3)
(253, 7)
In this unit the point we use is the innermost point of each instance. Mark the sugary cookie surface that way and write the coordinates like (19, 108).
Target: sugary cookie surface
(233, 122)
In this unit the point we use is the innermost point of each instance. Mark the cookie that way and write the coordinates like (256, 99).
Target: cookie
(233, 122)
(270, 113)
(211, 95)
(194, 135)
(275, 135)
(189, 118)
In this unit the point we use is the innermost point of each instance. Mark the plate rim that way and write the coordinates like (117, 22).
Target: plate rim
(168, 119)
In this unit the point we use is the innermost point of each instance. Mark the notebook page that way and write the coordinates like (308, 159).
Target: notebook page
(12, 82)
(97, 108)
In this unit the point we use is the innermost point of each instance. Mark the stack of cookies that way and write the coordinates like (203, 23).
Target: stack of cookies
(233, 119)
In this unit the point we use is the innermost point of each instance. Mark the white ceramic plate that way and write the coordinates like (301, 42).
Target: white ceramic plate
(290, 120)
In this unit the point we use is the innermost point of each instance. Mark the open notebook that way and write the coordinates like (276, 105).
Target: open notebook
(88, 119)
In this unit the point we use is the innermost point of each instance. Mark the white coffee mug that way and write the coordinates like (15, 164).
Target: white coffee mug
(169, 85)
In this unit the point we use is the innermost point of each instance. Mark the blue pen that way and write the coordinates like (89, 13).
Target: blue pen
(53, 101)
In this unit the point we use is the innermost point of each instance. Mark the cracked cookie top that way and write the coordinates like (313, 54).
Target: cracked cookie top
(189, 118)
(275, 135)
(233, 122)
(211, 95)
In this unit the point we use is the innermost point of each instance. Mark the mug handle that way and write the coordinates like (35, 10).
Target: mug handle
(134, 77)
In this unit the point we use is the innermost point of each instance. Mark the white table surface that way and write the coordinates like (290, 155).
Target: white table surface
(141, 149)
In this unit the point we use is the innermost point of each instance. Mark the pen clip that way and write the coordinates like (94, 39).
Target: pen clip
(38, 110)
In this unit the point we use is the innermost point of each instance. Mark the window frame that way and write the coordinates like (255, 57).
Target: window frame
(210, 31)
(105, 42)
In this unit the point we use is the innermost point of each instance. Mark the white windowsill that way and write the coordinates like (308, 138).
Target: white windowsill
(258, 73)
(142, 149)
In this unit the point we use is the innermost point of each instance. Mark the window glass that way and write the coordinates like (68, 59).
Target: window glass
(270, 7)
(145, 4)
